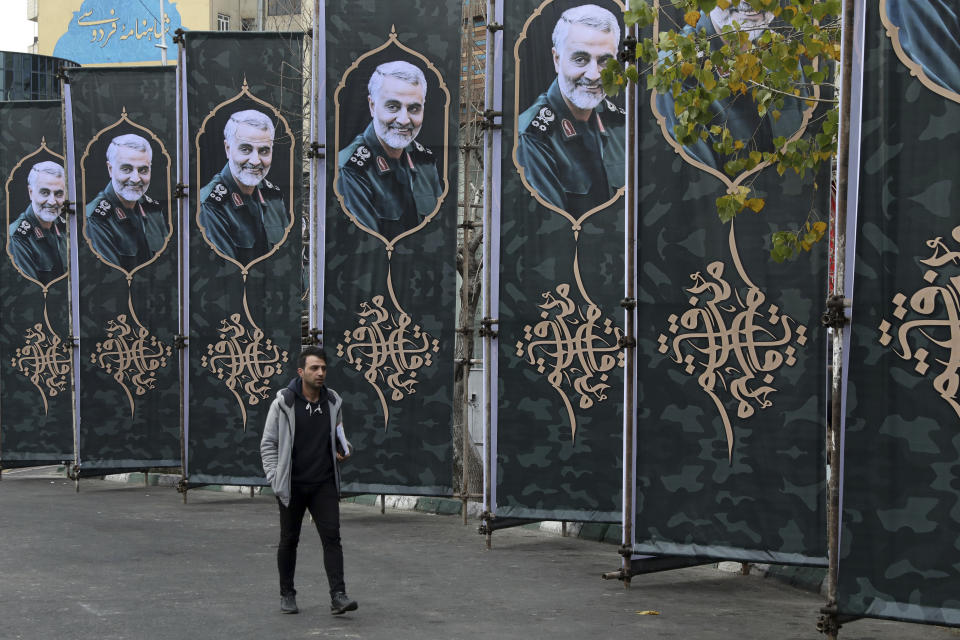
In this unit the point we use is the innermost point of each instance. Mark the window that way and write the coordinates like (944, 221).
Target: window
(248, 24)
(283, 7)
(223, 22)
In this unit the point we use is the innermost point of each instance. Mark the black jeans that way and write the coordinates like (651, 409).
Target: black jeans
(324, 505)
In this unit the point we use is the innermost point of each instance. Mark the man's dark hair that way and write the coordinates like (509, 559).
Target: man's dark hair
(312, 350)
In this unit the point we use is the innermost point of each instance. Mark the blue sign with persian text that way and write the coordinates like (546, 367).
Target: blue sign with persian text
(111, 32)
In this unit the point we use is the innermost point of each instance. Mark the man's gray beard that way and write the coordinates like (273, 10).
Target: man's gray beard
(246, 177)
(129, 193)
(578, 95)
(45, 214)
(393, 138)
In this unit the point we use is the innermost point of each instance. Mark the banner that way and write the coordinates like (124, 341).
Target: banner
(731, 354)
(36, 411)
(899, 556)
(244, 123)
(393, 73)
(559, 425)
(124, 145)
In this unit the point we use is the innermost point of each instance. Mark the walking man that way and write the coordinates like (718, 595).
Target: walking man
(303, 442)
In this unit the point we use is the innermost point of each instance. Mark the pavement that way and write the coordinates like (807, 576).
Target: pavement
(128, 561)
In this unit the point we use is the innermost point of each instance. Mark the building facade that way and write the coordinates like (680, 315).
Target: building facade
(25, 76)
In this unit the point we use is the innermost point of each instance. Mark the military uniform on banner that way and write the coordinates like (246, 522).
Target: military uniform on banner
(123, 237)
(242, 227)
(40, 253)
(573, 165)
(385, 195)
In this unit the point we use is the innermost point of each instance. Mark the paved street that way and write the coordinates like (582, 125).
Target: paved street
(133, 562)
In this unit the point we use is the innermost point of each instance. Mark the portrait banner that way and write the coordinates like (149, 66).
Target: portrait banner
(393, 74)
(244, 125)
(124, 146)
(731, 362)
(899, 556)
(562, 222)
(36, 408)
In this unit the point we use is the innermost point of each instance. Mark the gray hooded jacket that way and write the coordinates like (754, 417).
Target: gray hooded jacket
(276, 444)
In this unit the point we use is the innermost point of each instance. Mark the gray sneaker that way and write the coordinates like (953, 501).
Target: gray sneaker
(288, 604)
(340, 603)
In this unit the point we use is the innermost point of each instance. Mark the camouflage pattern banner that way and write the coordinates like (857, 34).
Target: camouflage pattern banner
(124, 135)
(731, 355)
(393, 73)
(899, 554)
(244, 124)
(36, 411)
(560, 424)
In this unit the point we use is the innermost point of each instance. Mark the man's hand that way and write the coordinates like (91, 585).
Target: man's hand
(341, 457)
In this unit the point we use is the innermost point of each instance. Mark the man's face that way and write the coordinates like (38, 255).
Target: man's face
(249, 153)
(579, 63)
(314, 372)
(751, 21)
(130, 173)
(47, 195)
(397, 112)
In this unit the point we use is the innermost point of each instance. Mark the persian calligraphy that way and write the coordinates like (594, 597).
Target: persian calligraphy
(132, 356)
(390, 349)
(245, 360)
(937, 325)
(45, 360)
(98, 34)
(576, 347)
(732, 342)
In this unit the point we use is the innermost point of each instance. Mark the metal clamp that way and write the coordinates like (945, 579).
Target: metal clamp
(486, 327)
(180, 191)
(629, 303)
(834, 317)
(628, 51)
(178, 36)
(67, 209)
(314, 337)
(317, 150)
(488, 117)
(627, 342)
(179, 341)
(493, 27)
(62, 74)
(182, 485)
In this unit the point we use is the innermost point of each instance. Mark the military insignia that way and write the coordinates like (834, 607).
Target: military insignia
(600, 126)
(422, 149)
(360, 156)
(382, 165)
(149, 200)
(24, 228)
(237, 200)
(614, 108)
(120, 214)
(544, 118)
(218, 192)
(569, 131)
(103, 208)
(270, 185)
(37, 232)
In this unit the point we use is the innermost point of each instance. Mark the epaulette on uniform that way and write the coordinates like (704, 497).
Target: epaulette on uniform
(103, 208)
(422, 150)
(544, 121)
(219, 190)
(360, 156)
(24, 228)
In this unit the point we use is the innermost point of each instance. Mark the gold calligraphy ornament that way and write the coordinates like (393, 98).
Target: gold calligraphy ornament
(45, 360)
(245, 360)
(390, 349)
(938, 325)
(577, 346)
(732, 342)
(131, 355)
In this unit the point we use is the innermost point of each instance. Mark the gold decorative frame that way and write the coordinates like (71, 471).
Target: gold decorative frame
(576, 223)
(41, 149)
(392, 40)
(734, 183)
(916, 69)
(83, 189)
(245, 92)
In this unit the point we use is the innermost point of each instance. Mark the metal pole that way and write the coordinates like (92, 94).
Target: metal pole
(261, 14)
(183, 262)
(629, 304)
(163, 37)
(836, 400)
